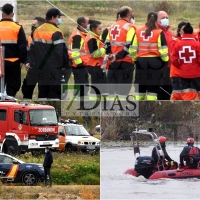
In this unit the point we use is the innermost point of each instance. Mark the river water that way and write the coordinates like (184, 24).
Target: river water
(117, 158)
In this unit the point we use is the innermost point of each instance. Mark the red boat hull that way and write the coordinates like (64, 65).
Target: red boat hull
(175, 173)
(181, 173)
(131, 172)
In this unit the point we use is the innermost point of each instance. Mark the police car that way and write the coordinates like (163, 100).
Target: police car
(17, 171)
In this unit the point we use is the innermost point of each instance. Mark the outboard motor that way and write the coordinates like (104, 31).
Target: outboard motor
(144, 165)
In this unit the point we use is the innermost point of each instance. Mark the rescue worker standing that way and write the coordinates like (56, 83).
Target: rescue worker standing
(96, 52)
(13, 39)
(187, 154)
(186, 57)
(174, 72)
(77, 53)
(150, 54)
(120, 73)
(27, 89)
(166, 87)
(48, 54)
(168, 162)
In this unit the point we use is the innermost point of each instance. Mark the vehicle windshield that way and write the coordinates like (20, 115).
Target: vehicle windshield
(43, 118)
(5, 159)
(76, 130)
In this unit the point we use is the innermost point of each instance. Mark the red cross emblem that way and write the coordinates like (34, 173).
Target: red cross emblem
(115, 32)
(142, 34)
(187, 54)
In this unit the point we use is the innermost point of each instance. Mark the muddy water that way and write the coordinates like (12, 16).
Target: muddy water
(116, 158)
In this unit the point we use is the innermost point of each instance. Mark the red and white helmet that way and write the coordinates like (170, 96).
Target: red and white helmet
(190, 141)
(162, 139)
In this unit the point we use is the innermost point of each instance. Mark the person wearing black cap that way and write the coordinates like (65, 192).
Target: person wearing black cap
(13, 38)
(49, 55)
(48, 160)
(186, 57)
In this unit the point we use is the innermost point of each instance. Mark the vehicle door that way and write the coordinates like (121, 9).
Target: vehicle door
(62, 138)
(3, 123)
(20, 124)
(8, 170)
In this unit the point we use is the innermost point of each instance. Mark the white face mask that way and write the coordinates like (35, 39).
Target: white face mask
(132, 21)
(45, 151)
(164, 22)
(59, 21)
(88, 27)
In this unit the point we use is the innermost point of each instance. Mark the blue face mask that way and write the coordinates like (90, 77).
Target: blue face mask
(59, 21)
(164, 22)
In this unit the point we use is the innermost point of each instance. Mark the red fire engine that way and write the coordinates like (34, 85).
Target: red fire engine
(27, 127)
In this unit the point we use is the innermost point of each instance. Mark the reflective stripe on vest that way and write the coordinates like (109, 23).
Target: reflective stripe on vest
(9, 31)
(44, 34)
(91, 60)
(80, 55)
(118, 38)
(148, 46)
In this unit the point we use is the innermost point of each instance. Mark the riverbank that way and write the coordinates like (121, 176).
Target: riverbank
(56, 192)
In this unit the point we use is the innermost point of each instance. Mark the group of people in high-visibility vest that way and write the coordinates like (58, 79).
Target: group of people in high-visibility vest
(161, 66)
(163, 69)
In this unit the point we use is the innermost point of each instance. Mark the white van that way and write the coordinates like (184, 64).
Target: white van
(74, 137)
(14, 3)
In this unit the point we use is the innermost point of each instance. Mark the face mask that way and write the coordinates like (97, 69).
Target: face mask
(45, 151)
(164, 22)
(132, 21)
(59, 21)
(88, 27)
(33, 28)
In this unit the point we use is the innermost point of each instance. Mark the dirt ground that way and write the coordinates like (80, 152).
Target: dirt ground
(77, 192)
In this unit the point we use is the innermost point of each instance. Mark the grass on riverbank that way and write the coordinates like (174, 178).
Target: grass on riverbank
(70, 169)
(74, 176)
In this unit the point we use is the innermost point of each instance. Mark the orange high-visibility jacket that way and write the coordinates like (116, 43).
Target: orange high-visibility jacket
(10, 33)
(148, 47)
(119, 37)
(78, 55)
(95, 58)
(49, 47)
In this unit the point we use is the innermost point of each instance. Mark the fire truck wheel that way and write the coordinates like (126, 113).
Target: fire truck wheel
(68, 148)
(29, 178)
(11, 148)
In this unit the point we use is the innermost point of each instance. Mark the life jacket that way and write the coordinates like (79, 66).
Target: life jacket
(83, 54)
(194, 151)
(94, 62)
(148, 47)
